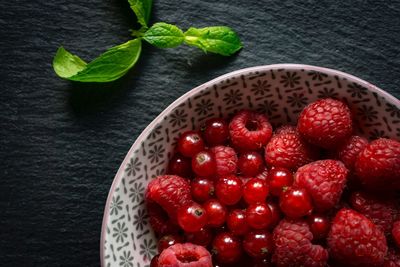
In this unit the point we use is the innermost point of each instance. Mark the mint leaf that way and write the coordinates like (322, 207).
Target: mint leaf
(142, 9)
(109, 66)
(164, 35)
(218, 39)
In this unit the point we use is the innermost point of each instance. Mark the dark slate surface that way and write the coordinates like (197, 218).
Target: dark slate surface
(61, 143)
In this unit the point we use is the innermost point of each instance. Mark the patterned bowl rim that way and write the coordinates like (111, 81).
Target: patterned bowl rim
(184, 97)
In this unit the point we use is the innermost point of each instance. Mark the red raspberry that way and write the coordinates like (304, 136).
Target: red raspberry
(356, 241)
(396, 233)
(168, 193)
(324, 180)
(263, 175)
(392, 259)
(185, 255)
(325, 123)
(288, 150)
(225, 160)
(349, 150)
(160, 221)
(380, 210)
(249, 130)
(293, 247)
(378, 165)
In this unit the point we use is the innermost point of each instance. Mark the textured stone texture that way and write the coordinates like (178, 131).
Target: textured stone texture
(61, 143)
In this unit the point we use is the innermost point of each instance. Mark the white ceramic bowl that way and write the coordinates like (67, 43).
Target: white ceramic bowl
(279, 91)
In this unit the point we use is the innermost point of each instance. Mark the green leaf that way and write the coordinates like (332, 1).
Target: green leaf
(164, 35)
(109, 66)
(142, 9)
(218, 39)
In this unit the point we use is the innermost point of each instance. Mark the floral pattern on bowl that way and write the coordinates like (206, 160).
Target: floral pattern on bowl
(280, 91)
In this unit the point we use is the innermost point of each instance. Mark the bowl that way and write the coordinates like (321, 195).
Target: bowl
(280, 91)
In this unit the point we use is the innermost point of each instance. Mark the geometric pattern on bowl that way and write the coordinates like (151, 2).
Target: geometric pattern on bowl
(279, 91)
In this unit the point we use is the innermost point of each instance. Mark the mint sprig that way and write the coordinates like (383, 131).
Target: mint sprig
(116, 61)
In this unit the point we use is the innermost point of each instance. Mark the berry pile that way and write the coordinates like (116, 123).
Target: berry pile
(315, 194)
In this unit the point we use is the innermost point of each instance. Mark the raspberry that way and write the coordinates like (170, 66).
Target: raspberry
(378, 165)
(324, 180)
(293, 247)
(225, 160)
(165, 194)
(396, 233)
(160, 221)
(392, 259)
(249, 130)
(349, 150)
(325, 123)
(185, 255)
(263, 175)
(356, 241)
(381, 211)
(288, 150)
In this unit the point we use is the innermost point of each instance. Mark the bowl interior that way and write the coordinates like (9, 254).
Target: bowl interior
(280, 91)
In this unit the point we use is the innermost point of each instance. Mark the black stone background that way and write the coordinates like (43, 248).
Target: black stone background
(61, 143)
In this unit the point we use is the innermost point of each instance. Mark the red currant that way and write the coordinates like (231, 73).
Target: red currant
(250, 163)
(154, 261)
(258, 216)
(227, 248)
(237, 222)
(190, 143)
(279, 179)
(202, 189)
(319, 226)
(258, 244)
(201, 238)
(167, 241)
(255, 191)
(216, 132)
(276, 214)
(203, 163)
(295, 203)
(229, 190)
(216, 213)
(180, 165)
(192, 217)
